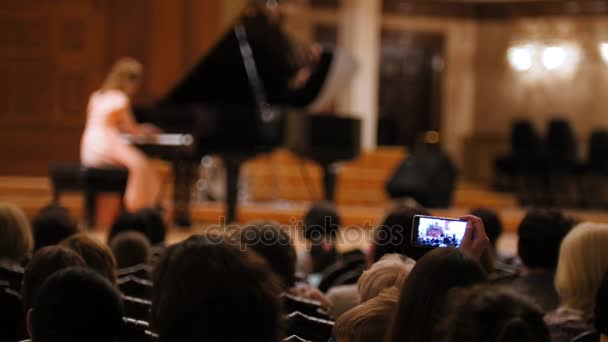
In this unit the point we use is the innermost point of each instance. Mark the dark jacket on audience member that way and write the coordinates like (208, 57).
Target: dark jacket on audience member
(538, 286)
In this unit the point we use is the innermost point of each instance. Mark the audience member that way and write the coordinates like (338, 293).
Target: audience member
(583, 261)
(131, 248)
(540, 234)
(52, 225)
(369, 321)
(600, 317)
(395, 233)
(205, 289)
(16, 241)
(490, 314)
(44, 263)
(146, 221)
(390, 271)
(97, 255)
(320, 225)
(273, 244)
(424, 293)
(75, 304)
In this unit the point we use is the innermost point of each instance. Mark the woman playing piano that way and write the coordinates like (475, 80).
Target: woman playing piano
(108, 116)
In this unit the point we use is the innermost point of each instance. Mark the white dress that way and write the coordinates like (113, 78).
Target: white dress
(108, 115)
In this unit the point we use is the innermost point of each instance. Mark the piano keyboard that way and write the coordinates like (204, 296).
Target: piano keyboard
(164, 139)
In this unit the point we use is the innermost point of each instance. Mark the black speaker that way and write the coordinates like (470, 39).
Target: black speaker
(426, 176)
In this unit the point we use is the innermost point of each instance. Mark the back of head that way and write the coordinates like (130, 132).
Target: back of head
(16, 240)
(205, 289)
(321, 222)
(273, 244)
(97, 255)
(424, 293)
(131, 248)
(395, 233)
(52, 225)
(369, 321)
(540, 235)
(390, 271)
(146, 221)
(44, 263)
(76, 304)
(583, 260)
(487, 313)
(491, 222)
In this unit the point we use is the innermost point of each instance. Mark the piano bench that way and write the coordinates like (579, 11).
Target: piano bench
(88, 180)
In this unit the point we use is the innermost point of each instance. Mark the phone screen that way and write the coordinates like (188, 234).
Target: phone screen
(431, 231)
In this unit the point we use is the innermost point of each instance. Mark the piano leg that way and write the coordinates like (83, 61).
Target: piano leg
(184, 172)
(233, 167)
(329, 182)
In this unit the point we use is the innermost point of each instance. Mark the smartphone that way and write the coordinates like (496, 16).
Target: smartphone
(432, 231)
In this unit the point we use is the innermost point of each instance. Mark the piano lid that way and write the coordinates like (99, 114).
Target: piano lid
(220, 78)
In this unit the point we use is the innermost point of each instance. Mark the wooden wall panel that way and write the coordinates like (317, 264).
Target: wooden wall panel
(54, 53)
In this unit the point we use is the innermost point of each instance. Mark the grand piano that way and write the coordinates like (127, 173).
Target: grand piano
(239, 100)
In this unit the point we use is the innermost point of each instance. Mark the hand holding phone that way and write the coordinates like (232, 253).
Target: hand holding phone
(432, 231)
(475, 240)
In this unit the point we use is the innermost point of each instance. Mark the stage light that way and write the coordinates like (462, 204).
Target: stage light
(554, 57)
(603, 48)
(521, 57)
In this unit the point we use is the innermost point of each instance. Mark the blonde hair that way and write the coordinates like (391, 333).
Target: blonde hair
(16, 241)
(390, 271)
(583, 260)
(368, 321)
(124, 73)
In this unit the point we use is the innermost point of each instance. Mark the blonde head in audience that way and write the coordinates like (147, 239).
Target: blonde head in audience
(125, 75)
(16, 241)
(368, 321)
(583, 260)
(390, 271)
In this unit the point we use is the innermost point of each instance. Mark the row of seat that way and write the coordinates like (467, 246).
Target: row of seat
(548, 171)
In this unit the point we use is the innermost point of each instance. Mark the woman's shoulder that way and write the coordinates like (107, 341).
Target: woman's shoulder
(109, 100)
(565, 324)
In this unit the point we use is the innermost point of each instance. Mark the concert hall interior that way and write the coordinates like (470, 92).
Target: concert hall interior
(153, 126)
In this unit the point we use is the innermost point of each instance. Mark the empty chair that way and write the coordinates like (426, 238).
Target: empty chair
(141, 271)
(596, 175)
(307, 307)
(133, 330)
(519, 170)
(137, 308)
(308, 328)
(133, 286)
(564, 174)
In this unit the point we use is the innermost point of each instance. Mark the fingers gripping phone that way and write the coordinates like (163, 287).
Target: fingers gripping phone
(432, 231)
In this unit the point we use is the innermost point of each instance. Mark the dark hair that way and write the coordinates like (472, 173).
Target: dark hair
(489, 313)
(321, 221)
(274, 245)
(540, 235)
(395, 233)
(424, 293)
(206, 289)
(146, 221)
(51, 225)
(131, 248)
(44, 263)
(491, 222)
(76, 304)
(97, 255)
(601, 307)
